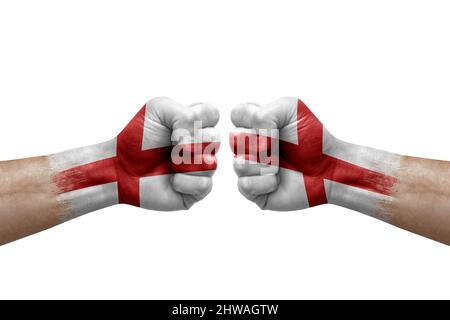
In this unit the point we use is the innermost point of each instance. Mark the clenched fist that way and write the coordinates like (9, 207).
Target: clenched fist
(162, 160)
(287, 160)
(165, 157)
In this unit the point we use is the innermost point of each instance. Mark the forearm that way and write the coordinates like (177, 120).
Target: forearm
(421, 199)
(135, 168)
(416, 192)
(28, 198)
(39, 193)
(86, 178)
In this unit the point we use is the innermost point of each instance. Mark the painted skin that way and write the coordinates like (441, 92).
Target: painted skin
(411, 193)
(135, 168)
(311, 167)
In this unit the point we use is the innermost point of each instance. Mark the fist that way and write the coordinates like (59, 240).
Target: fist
(167, 152)
(163, 160)
(287, 160)
(290, 137)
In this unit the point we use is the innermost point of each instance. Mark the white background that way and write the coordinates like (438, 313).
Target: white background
(73, 74)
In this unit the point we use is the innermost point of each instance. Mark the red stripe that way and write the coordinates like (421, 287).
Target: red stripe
(132, 163)
(307, 157)
(91, 174)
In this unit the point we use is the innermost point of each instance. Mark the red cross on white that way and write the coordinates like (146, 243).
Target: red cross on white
(307, 156)
(129, 165)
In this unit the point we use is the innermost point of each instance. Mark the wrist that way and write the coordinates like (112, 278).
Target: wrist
(364, 177)
(85, 178)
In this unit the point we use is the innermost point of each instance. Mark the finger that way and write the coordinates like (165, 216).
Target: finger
(205, 135)
(203, 165)
(206, 113)
(254, 155)
(243, 139)
(290, 194)
(195, 155)
(173, 115)
(245, 168)
(210, 134)
(253, 187)
(196, 186)
(188, 201)
(257, 144)
(242, 115)
(157, 193)
(277, 114)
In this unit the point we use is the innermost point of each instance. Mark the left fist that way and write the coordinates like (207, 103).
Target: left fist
(166, 155)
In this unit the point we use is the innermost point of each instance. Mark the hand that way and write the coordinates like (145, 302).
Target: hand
(311, 167)
(141, 167)
(163, 160)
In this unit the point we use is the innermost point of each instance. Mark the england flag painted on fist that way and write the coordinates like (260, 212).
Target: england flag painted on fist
(163, 160)
(287, 160)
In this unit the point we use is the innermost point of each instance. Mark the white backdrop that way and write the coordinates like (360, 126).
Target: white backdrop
(73, 74)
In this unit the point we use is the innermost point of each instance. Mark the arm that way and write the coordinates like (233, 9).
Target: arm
(313, 168)
(28, 198)
(419, 200)
(139, 167)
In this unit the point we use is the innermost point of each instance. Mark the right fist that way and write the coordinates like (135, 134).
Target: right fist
(287, 160)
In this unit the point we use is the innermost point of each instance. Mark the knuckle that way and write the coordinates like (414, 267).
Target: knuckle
(158, 101)
(244, 185)
(209, 113)
(287, 100)
(259, 119)
(272, 184)
(188, 115)
(240, 166)
(214, 113)
(212, 135)
(236, 112)
(205, 186)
